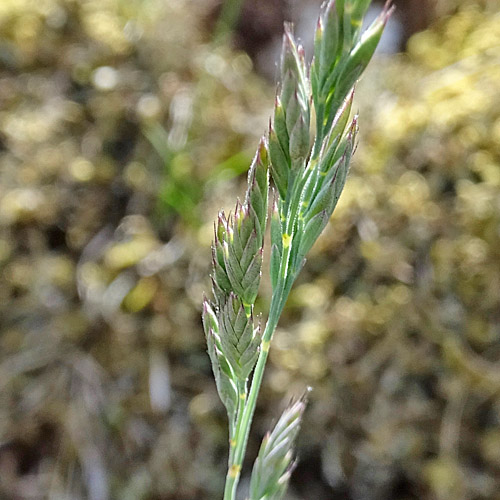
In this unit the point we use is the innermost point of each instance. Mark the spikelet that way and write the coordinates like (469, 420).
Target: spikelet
(239, 239)
(274, 464)
(342, 53)
(223, 373)
(239, 338)
(289, 136)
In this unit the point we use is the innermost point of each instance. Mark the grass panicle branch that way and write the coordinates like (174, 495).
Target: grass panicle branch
(306, 152)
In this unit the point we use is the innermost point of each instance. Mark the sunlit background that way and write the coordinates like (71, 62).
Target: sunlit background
(125, 125)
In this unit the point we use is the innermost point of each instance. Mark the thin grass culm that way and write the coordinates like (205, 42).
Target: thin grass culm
(306, 153)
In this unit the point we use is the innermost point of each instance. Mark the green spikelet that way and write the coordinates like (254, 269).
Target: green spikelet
(289, 133)
(239, 239)
(239, 339)
(223, 373)
(258, 188)
(274, 464)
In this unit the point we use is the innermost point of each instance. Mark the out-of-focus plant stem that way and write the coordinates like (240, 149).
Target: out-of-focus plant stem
(229, 15)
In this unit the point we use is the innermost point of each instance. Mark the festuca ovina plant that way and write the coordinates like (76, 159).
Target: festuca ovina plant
(306, 153)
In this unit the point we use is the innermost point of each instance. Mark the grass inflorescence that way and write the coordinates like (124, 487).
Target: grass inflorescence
(306, 152)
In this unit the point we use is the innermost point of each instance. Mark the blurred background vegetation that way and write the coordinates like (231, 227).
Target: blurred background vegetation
(124, 126)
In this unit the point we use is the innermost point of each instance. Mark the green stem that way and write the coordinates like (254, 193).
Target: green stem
(231, 484)
(320, 113)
